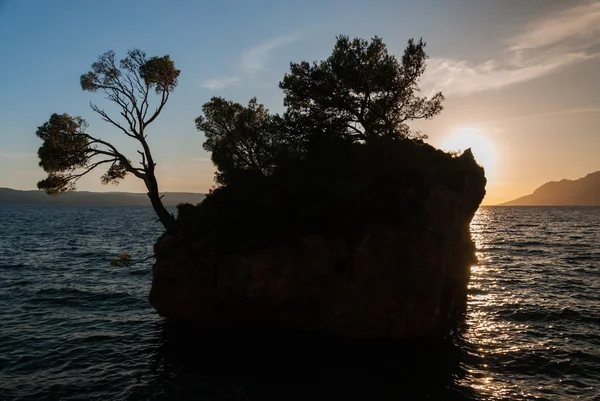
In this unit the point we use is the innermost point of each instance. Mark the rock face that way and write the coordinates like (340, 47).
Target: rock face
(393, 283)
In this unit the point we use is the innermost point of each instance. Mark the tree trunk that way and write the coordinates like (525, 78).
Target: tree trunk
(166, 218)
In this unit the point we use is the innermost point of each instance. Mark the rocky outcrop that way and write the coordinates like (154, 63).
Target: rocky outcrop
(394, 281)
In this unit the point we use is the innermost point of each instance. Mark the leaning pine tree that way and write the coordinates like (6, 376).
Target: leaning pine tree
(68, 152)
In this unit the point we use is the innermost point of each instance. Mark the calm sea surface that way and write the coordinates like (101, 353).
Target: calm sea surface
(74, 327)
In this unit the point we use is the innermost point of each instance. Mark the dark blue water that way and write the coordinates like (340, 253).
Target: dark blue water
(74, 327)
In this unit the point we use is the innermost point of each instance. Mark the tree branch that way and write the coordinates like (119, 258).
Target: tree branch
(106, 118)
(163, 101)
(75, 177)
(143, 162)
(117, 154)
(144, 112)
(358, 133)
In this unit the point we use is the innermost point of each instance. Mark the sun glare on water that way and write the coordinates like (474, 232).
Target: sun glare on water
(483, 149)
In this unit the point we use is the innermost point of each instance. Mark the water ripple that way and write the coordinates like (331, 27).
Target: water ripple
(74, 327)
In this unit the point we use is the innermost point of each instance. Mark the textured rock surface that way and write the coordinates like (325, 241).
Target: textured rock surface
(395, 282)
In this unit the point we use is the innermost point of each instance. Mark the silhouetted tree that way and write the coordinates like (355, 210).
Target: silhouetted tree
(358, 94)
(364, 88)
(243, 140)
(68, 152)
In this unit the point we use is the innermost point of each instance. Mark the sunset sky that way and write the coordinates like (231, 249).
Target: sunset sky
(521, 78)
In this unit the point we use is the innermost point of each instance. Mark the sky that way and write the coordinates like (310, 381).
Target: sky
(521, 78)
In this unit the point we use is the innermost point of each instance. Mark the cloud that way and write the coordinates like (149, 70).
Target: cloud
(583, 110)
(256, 58)
(219, 83)
(579, 22)
(459, 77)
(544, 46)
(252, 61)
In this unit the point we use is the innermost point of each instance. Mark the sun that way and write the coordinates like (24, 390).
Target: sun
(483, 149)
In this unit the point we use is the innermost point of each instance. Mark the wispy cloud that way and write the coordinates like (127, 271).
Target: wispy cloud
(256, 58)
(583, 110)
(581, 22)
(252, 61)
(219, 83)
(459, 77)
(544, 46)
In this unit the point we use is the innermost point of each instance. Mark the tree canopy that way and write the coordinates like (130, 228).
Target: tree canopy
(358, 94)
(68, 152)
(363, 87)
(240, 138)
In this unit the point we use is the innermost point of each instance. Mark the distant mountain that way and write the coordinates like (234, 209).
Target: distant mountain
(15, 197)
(582, 192)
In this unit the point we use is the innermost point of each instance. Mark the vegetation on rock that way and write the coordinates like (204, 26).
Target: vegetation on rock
(359, 94)
(123, 260)
(68, 152)
(340, 156)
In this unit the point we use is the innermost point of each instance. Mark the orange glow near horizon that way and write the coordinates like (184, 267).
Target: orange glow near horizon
(484, 150)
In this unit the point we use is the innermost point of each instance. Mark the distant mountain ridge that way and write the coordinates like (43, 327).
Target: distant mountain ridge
(584, 191)
(34, 197)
